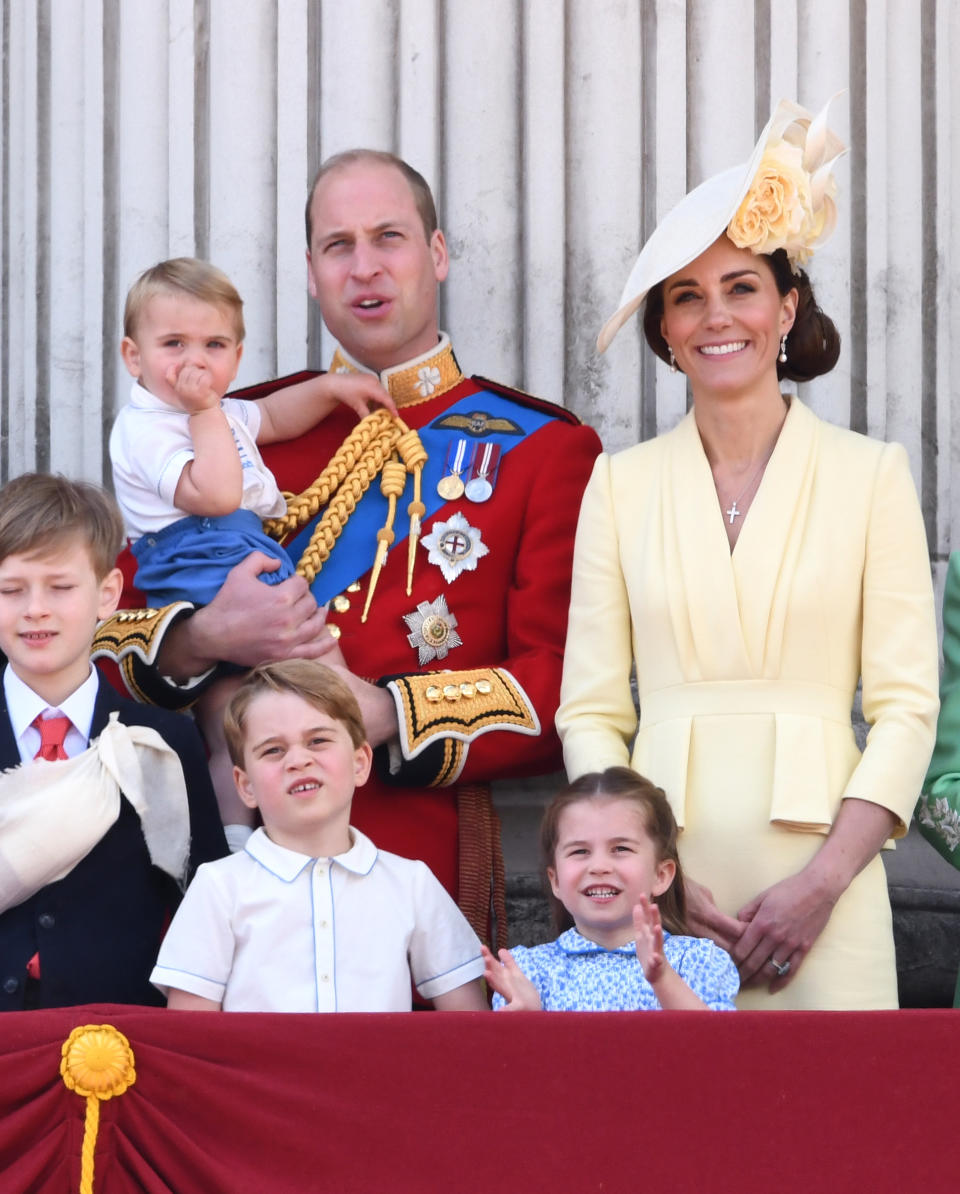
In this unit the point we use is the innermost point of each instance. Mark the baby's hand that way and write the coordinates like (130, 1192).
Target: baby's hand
(507, 979)
(194, 387)
(359, 391)
(649, 934)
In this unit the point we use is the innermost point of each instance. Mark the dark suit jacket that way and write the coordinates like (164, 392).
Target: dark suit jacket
(99, 928)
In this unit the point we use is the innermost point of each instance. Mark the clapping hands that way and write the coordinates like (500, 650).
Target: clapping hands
(504, 976)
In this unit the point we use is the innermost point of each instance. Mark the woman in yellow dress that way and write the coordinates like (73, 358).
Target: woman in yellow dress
(754, 564)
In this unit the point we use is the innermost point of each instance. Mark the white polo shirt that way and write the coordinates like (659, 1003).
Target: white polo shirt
(271, 930)
(150, 445)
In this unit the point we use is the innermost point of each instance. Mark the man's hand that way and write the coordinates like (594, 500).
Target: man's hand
(248, 623)
(377, 706)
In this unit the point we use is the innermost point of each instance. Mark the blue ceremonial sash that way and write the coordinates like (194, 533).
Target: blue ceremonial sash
(356, 547)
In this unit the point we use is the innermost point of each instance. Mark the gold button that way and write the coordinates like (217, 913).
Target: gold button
(433, 693)
(334, 629)
(451, 692)
(354, 588)
(341, 604)
(468, 689)
(484, 687)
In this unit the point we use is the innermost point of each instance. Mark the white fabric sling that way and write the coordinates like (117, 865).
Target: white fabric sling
(53, 814)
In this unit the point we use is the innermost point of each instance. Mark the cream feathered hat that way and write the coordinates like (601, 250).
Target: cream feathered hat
(782, 198)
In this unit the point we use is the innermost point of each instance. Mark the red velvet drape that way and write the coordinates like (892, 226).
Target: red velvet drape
(510, 1103)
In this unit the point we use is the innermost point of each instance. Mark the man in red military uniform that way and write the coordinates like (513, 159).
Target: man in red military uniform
(483, 590)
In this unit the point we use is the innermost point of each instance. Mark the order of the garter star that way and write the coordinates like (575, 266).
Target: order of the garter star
(454, 546)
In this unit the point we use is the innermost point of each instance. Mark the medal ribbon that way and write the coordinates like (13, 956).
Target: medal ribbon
(353, 554)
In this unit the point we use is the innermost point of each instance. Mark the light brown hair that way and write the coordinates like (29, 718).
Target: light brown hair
(422, 196)
(183, 275)
(40, 511)
(620, 783)
(313, 682)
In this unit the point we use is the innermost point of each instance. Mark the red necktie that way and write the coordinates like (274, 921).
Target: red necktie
(53, 730)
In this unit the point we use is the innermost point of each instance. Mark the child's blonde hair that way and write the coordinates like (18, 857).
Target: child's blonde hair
(313, 682)
(39, 511)
(620, 783)
(183, 275)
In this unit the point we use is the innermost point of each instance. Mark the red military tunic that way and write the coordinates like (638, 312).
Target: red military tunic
(495, 718)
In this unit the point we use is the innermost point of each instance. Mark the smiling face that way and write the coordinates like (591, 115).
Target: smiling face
(175, 329)
(604, 861)
(371, 266)
(300, 770)
(50, 603)
(723, 317)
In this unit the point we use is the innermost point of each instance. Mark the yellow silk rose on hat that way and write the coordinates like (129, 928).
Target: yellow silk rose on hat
(778, 211)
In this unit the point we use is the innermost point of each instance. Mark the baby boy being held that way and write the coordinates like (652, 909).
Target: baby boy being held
(187, 469)
(310, 915)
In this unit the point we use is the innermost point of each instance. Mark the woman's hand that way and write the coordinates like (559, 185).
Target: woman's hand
(782, 923)
(704, 918)
(507, 979)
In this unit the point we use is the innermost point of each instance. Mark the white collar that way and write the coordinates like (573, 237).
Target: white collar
(287, 864)
(24, 705)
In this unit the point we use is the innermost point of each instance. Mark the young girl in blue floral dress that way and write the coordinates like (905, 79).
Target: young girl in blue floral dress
(609, 844)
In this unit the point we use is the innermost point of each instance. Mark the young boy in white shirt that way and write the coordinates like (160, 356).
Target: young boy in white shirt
(311, 916)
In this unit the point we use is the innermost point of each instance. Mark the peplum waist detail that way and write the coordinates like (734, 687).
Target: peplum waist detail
(808, 777)
(719, 698)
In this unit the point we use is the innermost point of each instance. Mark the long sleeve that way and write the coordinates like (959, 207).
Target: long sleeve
(597, 719)
(899, 645)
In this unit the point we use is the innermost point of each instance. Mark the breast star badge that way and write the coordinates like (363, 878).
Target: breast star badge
(455, 546)
(433, 629)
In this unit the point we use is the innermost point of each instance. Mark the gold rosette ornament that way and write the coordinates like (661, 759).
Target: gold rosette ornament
(96, 1063)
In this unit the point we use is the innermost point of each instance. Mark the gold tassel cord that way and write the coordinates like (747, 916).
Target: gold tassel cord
(302, 507)
(367, 451)
(414, 456)
(341, 505)
(392, 483)
(96, 1062)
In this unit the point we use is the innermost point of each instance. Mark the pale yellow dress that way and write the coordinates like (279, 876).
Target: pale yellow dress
(747, 664)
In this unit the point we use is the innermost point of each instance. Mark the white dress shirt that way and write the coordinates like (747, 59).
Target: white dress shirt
(24, 706)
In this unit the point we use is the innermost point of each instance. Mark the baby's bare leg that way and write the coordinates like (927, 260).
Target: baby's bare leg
(210, 709)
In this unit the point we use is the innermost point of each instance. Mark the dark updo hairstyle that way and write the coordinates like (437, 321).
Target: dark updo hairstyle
(813, 343)
(620, 783)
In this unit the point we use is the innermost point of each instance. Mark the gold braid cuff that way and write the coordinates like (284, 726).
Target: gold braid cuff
(456, 708)
(132, 635)
(378, 444)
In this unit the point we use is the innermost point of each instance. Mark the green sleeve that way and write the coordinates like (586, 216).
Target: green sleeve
(938, 811)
